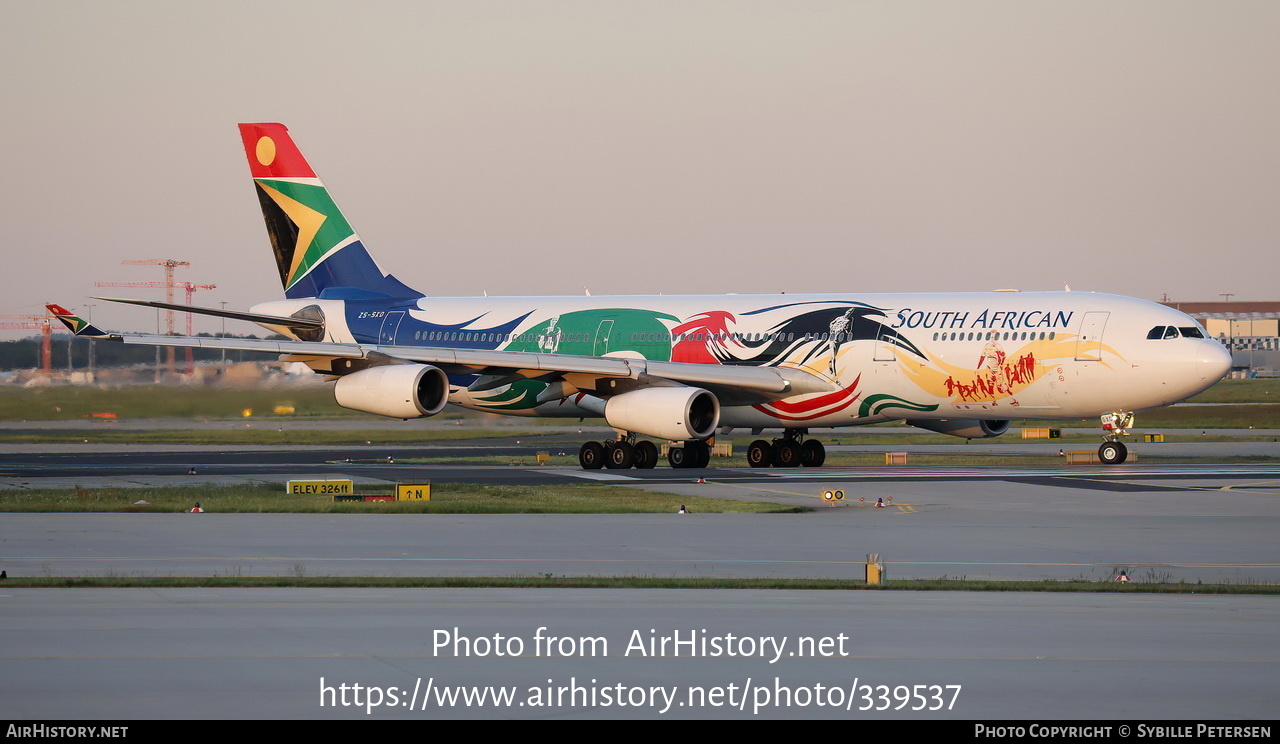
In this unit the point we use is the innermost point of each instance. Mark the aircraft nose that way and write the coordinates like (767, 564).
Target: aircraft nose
(1215, 362)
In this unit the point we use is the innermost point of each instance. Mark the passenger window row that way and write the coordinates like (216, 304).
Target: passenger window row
(995, 336)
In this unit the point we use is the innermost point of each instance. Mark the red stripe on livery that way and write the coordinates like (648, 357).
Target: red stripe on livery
(807, 410)
(278, 158)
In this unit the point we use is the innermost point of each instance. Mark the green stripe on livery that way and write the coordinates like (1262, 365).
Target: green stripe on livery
(872, 405)
(521, 395)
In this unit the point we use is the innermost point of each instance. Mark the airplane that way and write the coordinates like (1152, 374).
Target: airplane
(680, 369)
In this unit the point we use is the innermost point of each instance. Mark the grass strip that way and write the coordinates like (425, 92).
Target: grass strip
(268, 433)
(1252, 416)
(1241, 391)
(64, 402)
(633, 582)
(446, 498)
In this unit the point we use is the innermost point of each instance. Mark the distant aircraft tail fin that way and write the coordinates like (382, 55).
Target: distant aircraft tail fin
(317, 251)
(77, 325)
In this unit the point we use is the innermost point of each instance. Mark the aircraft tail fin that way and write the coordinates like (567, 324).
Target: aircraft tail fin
(74, 323)
(317, 251)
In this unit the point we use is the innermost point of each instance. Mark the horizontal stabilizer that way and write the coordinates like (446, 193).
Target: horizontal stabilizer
(269, 346)
(280, 320)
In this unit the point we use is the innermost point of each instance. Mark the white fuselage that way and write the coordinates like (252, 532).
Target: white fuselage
(991, 355)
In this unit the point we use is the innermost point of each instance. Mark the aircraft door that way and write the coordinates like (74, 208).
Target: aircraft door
(603, 331)
(1089, 341)
(885, 350)
(390, 325)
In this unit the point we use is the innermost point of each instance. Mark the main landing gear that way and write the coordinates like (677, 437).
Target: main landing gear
(1114, 426)
(792, 450)
(619, 454)
(628, 452)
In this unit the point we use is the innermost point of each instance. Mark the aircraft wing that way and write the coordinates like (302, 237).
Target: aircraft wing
(291, 322)
(764, 382)
(735, 382)
(310, 348)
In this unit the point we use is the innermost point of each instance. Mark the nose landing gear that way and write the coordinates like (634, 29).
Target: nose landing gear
(1114, 426)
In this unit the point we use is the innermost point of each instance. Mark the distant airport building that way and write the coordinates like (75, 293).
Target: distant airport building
(1251, 330)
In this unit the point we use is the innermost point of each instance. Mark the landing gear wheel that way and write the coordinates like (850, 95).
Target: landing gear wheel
(591, 456)
(702, 452)
(812, 453)
(619, 456)
(692, 454)
(786, 454)
(646, 455)
(758, 455)
(1113, 453)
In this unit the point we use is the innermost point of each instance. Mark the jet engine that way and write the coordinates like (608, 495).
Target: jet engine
(967, 428)
(402, 391)
(674, 413)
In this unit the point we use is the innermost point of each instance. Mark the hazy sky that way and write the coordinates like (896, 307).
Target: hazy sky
(640, 147)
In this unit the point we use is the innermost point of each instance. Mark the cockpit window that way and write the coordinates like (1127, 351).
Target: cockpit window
(1160, 332)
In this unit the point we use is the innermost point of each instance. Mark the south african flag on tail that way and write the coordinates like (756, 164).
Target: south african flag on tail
(317, 252)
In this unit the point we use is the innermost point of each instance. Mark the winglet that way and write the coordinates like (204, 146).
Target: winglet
(79, 326)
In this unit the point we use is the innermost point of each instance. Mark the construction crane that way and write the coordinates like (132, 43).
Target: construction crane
(169, 264)
(35, 323)
(190, 289)
(187, 287)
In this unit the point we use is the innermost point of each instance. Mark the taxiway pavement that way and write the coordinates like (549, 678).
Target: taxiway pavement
(130, 654)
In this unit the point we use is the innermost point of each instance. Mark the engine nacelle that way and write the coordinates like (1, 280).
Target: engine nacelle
(967, 428)
(674, 413)
(402, 391)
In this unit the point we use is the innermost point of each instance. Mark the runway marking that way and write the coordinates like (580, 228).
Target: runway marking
(1259, 484)
(1102, 564)
(1100, 484)
(591, 475)
(1119, 471)
(766, 490)
(520, 559)
(1176, 487)
(848, 502)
